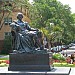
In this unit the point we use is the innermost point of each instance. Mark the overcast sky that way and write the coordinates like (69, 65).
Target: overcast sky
(70, 2)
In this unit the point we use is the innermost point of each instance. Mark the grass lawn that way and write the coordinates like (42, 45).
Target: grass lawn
(4, 58)
(63, 65)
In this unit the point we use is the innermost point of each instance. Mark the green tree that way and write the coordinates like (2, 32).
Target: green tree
(3, 8)
(44, 12)
(9, 6)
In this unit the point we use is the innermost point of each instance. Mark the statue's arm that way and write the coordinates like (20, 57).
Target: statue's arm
(29, 28)
(15, 27)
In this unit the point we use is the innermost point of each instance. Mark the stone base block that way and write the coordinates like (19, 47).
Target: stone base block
(29, 68)
(30, 62)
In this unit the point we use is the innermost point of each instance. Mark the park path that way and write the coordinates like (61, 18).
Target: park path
(72, 72)
(4, 56)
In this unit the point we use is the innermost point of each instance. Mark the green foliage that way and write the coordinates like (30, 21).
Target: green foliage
(58, 56)
(7, 45)
(44, 12)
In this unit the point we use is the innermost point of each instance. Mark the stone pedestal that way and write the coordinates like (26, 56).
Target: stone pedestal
(30, 62)
(55, 71)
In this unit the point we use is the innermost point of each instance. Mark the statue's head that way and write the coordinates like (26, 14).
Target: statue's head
(19, 16)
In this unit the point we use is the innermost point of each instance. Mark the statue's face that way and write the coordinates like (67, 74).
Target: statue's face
(20, 16)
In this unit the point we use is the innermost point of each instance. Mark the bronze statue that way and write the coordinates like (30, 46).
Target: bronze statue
(25, 38)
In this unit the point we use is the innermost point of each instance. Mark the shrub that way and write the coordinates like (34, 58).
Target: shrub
(58, 56)
(7, 45)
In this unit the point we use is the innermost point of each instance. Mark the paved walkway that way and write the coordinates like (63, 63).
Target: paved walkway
(72, 71)
(55, 71)
(59, 70)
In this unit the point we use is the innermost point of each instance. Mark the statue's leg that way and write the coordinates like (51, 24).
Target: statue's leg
(27, 40)
(30, 40)
(25, 43)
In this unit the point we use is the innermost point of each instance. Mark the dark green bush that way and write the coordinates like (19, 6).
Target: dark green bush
(7, 47)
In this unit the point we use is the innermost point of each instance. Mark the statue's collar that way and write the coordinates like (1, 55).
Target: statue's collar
(19, 21)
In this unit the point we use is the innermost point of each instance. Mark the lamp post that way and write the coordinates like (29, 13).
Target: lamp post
(51, 25)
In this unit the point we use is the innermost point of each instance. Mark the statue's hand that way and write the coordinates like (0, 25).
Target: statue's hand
(37, 30)
(18, 28)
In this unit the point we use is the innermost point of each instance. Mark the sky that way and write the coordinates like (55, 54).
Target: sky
(71, 3)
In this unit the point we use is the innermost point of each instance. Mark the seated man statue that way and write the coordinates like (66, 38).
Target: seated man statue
(24, 38)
